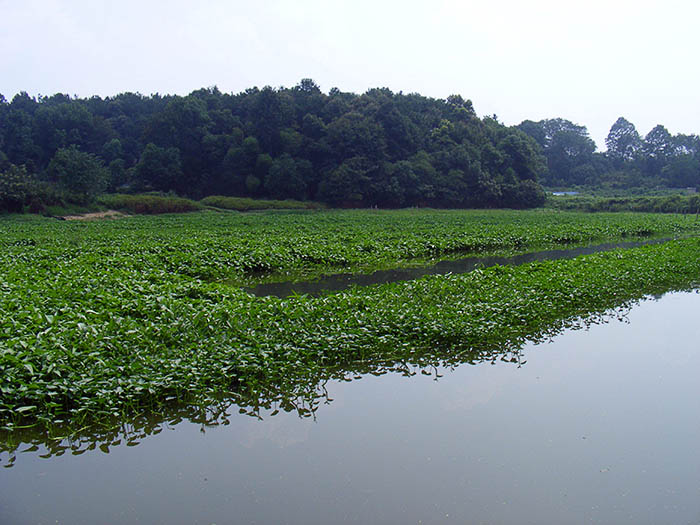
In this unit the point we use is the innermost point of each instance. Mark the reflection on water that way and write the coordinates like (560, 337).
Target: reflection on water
(599, 425)
(303, 395)
(333, 283)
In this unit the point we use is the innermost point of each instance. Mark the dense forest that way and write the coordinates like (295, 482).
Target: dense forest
(377, 149)
(380, 149)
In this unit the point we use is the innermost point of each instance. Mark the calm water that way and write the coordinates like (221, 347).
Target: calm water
(336, 282)
(599, 425)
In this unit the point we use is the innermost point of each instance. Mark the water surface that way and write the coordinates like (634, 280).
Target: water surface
(597, 426)
(342, 281)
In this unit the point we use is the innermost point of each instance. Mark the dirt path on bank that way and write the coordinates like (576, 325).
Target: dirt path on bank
(109, 214)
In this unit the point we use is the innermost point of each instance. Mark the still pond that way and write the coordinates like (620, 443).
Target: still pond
(598, 425)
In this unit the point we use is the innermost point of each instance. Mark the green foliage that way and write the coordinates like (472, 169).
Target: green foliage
(245, 204)
(283, 143)
(109, 319)
(284, 179)
(568, 149)
(377, 149)
(81, 174)
(682, 172)
(148, 204)
(14, 188)
(623, 141)
(659, 161)
(649, 204)
(159, 169)
(348, 184)
(4, 162)
(524, 194)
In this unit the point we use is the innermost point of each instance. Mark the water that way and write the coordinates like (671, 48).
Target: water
(337, 282)
(600, 425)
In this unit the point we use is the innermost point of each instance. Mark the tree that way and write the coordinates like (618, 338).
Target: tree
(118, 175)
(307, 98)
(347, 184)
(623, 142)
(4, 110)
(112, 150)
(682, 172)
(567, 147)
(404, 181)
(4, 161)
(523, 194)
(183, 124)
(423, 169)
(160, 169)
(283, 181)
(14, 188)
(308, 86)
(64, 124)
(384, 148)
(240, 168)
(686, 144)
(82, 174)
(657, 149)
(271, 112)
(356, 135)
(313, 126)
(522, 156)
(18, 141)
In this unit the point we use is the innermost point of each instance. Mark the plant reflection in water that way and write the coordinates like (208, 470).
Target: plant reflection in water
(300, 392)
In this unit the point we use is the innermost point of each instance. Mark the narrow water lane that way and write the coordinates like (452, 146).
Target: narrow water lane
(341, 281)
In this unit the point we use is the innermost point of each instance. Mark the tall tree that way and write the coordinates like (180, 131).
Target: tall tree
(568, 149)
(623, 142)
(657, 149)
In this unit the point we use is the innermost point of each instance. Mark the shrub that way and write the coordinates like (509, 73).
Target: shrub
(149, 204)
(246, 204)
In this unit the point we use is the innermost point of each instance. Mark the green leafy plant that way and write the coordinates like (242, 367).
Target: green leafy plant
(103, 320)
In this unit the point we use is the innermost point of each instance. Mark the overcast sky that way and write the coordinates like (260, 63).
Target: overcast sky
(587, 61)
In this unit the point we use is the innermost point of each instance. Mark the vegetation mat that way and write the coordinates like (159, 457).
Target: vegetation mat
(105, 320)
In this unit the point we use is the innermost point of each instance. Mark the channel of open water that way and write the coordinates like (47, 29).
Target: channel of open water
(342, 281)
(598, 425)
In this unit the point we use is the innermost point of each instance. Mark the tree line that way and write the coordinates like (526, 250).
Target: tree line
(658, 160)
(379, 149)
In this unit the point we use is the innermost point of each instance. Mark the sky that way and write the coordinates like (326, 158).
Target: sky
(586, 61)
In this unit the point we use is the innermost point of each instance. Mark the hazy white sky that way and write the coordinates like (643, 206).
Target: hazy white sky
(588, 61)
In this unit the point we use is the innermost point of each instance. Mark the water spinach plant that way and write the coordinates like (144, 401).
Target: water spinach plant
(104, 320)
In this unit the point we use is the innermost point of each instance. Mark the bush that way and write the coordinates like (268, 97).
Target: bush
(648, 204)
(246, 204)
(148, 204)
